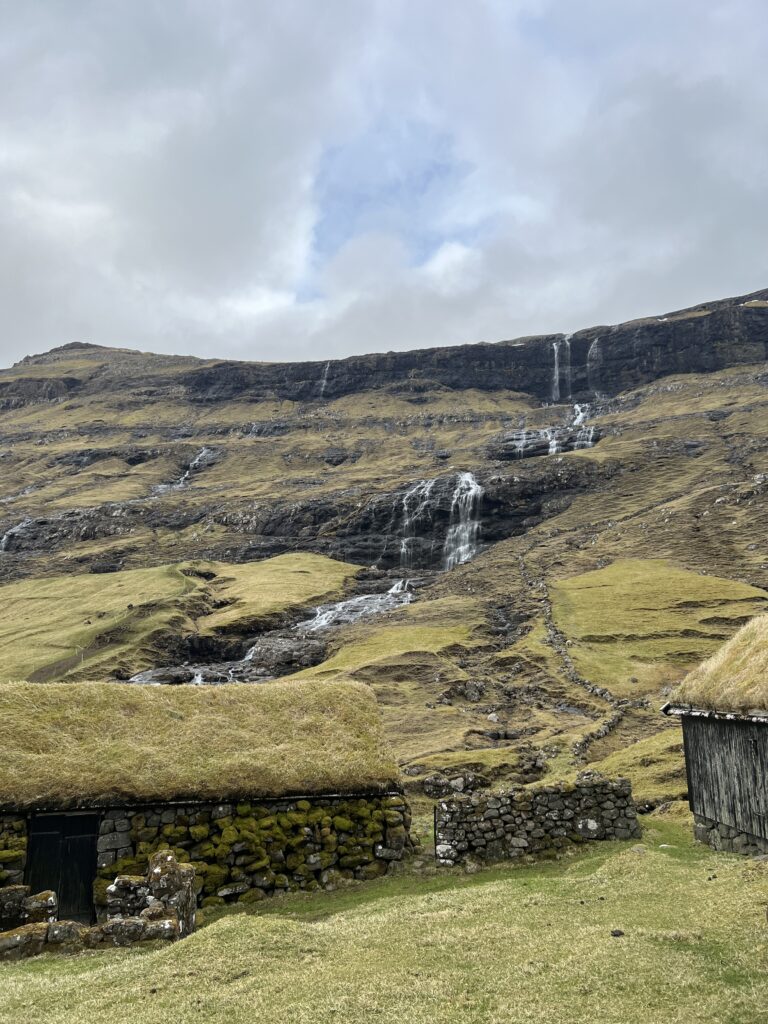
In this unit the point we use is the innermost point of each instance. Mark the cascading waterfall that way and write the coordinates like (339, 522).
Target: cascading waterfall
(202, 456)
(567, 364)
(585, 435)
(562, 367)
(554, 438)
(461, 542)
(355, 608)
(324, 378)
(7, 539)
(556, 372)
(193, 466)
(415, 505)
(594, 359)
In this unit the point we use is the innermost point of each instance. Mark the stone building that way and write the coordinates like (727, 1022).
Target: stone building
(723, 707)
(281, 786)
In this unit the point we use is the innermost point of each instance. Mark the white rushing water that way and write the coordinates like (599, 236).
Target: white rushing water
(356, 608)
(7, 539)
(462, 539)
(193, 466)
(594, 359)
(416, 503)
(183, 480)
(556, 372)
(566, 370)
(324, 378)
(555, 440)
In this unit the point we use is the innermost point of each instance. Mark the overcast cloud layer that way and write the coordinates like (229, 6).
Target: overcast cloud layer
(302, 179)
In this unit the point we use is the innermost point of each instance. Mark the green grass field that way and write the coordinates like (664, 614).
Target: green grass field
(509, 945)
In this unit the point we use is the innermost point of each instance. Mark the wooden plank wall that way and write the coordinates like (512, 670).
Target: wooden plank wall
(727, 763)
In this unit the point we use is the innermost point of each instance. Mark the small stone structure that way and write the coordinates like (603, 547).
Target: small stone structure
(240, 852)
(541, 820)
(160, 906)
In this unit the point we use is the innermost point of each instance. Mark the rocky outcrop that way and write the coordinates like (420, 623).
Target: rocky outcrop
(160, 905)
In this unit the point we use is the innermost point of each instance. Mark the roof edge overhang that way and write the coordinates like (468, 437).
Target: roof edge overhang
(139, 804)
(692, 711)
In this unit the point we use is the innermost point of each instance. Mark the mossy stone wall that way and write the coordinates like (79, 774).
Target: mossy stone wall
(13, 848)
(247, 851)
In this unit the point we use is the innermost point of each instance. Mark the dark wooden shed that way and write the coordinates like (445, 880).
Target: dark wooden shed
(726, 760)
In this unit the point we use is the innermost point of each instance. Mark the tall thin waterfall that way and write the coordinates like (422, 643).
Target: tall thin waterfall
(556, 372)
(594, 359)
(415, 504)
(194, 465)
(324, 378)
(567, 364)
(463, 535)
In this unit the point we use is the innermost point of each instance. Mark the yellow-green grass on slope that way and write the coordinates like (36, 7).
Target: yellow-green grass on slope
(529, 945)
(88, 625)
(735, 678)
(655, 766)
(84, 743)
(49, 628)
(647, 619)
(260, 589)
(428, 627)
(408, 662)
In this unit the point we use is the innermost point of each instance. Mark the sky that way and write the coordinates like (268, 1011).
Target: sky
(308, 179)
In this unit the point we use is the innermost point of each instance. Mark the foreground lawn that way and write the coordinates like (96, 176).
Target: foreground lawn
(506, 945)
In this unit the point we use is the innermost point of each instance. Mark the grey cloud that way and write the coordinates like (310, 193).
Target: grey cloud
(159, 167)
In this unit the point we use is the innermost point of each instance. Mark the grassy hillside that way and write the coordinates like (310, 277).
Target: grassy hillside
(514, 666)
(512, 945)
(81, 627)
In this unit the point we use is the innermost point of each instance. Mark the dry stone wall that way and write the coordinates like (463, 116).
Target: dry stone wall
(728, 838)
(249, 850)
(541, 820)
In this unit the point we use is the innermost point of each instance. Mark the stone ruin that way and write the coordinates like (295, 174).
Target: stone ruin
(158, 906)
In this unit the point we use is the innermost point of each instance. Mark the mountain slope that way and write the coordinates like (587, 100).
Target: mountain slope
(599, 503)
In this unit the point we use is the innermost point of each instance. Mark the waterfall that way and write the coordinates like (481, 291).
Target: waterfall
(353, 609)
(324, 378)
(556, 372)
(580, 413)
(567, 364)
(553, 436)
(194, 466)
(585, 438)
(415, 504)
(7, 539)
(594, 359)
(521, 440)
(461, 541)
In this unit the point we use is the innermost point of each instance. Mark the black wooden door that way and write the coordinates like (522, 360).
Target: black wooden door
(62, 856)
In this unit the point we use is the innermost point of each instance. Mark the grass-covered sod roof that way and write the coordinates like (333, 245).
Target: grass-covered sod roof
(69, 744)
(735, 678)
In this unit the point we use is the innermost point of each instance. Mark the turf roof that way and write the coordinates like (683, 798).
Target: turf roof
(71, 744)
(735, 678)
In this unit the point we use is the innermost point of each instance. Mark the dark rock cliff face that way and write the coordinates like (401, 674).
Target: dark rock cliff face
(596, 361)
